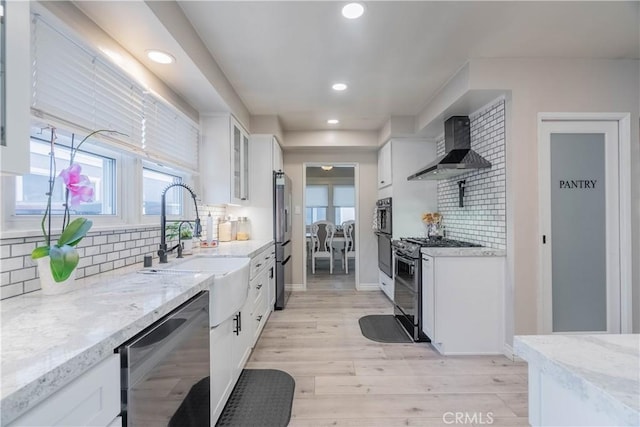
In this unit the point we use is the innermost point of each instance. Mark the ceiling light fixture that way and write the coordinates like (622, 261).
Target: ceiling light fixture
(339, 86)
(326, 168)
(353, 10)
(160, 57)
(333, 121)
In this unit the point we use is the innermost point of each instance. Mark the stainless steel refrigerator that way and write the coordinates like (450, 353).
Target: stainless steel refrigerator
(282, 235)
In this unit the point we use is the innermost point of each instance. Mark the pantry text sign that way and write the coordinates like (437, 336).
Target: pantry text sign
(578, 183)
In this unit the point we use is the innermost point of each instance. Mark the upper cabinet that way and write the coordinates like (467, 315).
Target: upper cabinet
(224, 161)
(384, 166)
(15, 89)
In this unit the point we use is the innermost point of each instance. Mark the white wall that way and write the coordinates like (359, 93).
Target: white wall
(367, 194)
(553, 85)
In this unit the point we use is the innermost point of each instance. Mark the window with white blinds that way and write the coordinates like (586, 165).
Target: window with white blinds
(344, 196)
(75, 87)
(317, 195)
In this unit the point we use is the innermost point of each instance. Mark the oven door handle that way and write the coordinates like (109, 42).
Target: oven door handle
(408, 261)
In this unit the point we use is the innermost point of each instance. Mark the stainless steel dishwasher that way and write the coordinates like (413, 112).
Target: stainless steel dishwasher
(165, 370)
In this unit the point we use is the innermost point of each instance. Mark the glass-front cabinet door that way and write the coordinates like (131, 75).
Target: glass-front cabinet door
(237, 163)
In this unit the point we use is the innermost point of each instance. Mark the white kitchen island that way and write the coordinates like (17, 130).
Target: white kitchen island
(582, 380)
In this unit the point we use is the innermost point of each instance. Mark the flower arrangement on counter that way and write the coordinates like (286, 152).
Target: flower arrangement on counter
(63, 255)
(432, 222)
(431, 218)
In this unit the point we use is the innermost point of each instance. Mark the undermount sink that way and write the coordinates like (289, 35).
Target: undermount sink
(230, 286)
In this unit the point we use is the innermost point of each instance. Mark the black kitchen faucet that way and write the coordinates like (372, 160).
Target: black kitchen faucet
(197, 229)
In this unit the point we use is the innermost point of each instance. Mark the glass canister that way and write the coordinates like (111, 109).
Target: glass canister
(224, 230)
(244, 228)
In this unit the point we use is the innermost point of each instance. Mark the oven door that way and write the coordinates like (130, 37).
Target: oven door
(407, 296)
(384, 219)
(384, 254)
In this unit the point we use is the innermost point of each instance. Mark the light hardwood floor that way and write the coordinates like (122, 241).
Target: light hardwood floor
(338, 280)
(344, 379)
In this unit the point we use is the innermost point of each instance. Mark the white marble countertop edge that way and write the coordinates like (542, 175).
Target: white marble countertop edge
(19, 400)
(613, 405)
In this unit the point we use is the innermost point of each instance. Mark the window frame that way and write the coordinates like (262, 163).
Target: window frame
(21, 224)
(188, 210)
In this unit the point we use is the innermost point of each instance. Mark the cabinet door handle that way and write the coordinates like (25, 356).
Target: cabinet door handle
(259, 318)
(243, 198)
(381, 182)
(271, 273)
(259, 286)
(240, 321)
(258, 265)
(236, 320)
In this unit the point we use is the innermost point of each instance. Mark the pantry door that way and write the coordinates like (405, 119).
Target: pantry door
(580, 229)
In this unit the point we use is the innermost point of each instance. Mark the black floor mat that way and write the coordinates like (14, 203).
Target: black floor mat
(383, 328)
(262, 397)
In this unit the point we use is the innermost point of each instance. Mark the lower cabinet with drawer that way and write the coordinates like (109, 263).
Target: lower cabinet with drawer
(231, 341)
(93, 399)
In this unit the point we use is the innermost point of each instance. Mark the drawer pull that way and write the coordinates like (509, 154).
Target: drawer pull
(259, 318)
(259, 286)
(258, 265)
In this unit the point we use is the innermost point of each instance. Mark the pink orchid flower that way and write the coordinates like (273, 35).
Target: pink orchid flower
(79, 186)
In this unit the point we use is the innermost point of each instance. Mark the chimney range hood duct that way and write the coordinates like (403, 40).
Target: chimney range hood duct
(459, 158)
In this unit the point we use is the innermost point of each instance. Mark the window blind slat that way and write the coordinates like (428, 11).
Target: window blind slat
(74, 84)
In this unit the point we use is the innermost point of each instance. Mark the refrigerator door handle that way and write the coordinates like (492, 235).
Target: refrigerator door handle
(286, 220)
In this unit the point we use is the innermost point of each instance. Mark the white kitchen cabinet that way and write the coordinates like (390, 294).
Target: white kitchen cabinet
(385, 174)
(277, 161)
(231, 341)
(14, 155)
(386, 284)
(262, 269)
(410, 198)
(462, 303)
(265, 157)
(93, 399)
(428, 298)
(224, 161)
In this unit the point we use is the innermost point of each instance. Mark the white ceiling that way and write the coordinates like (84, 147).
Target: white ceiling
(282, 57)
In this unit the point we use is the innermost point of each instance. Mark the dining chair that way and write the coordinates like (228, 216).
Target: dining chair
(349, 250)
(322, 243)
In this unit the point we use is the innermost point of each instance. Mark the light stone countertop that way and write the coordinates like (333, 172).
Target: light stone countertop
(463, 252)
(603, 370)
(49, 340)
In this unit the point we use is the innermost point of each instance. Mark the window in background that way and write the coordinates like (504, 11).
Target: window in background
(344, 203)
(153, 183)
(317, 201)
(31, 197)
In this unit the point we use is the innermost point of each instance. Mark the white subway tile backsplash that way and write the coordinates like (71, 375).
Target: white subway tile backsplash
(99, 252)
(482, 219)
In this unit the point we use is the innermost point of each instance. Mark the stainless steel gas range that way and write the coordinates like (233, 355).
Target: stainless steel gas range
(407, 294)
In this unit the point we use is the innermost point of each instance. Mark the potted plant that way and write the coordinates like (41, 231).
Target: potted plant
(57, 261)
(186, 234)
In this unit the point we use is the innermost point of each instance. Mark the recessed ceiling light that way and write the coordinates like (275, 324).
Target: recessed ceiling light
(339, 86)
(333, 121)
(326, 168)
(353, 10)
(160, 57)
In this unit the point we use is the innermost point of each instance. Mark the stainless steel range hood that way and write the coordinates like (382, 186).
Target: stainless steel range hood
(459, 158)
